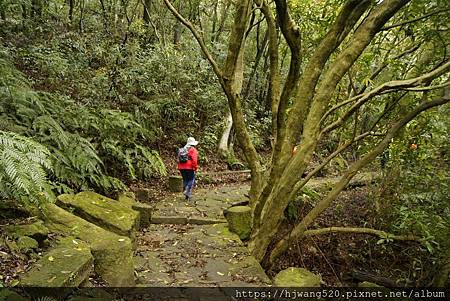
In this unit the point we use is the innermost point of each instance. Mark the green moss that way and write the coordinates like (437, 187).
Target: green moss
(297, 277)
(240, 220)
(67, 265)
(113, 254)
(35, 230)
(27, 244)
(105, 212)
(8, 295)
(126, 198)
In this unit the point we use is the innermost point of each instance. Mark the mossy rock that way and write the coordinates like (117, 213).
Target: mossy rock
(36, 230)
(142, 194)
(126, 198)
(240, 221)
(175, 183)
(102, 211)
(9, 295)
(113, 254)
(145, 210)
(297, 277)
(145, 213)
(27, 244)
(368, 284)
(66, 265)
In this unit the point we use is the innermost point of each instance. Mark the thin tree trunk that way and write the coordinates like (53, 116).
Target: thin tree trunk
(71, 7)
(146, 15)
(223, 149)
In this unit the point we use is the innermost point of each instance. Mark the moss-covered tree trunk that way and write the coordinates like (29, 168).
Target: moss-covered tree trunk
(300, 102)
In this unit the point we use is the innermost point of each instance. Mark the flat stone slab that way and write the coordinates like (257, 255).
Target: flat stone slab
(195, 256)
(107, 213)
(66, 265)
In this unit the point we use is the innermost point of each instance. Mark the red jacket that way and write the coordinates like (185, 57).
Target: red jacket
(192, 163)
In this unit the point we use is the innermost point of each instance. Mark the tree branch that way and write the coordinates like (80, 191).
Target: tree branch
(290, 130)
(379, 233)
(416, 19)
(198, 37)
(274, 76)
(300, 229)
(388, 87)
(428, 88)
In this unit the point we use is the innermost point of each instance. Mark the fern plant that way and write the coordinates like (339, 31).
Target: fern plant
(23, 166)
(89, 147)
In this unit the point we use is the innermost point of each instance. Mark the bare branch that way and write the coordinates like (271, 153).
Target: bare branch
(385, 64)
(428, 88)
(439, 11)
(388, 87)
(198, 37)
(379, 233)
(338, 151)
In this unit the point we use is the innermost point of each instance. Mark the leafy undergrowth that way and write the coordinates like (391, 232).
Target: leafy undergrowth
(336, 255)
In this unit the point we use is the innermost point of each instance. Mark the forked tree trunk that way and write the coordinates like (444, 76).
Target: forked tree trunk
(298, 104)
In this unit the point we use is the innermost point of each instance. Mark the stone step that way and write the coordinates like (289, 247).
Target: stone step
(195, 256)
(68, 264)
(181, 220)
(102, 211)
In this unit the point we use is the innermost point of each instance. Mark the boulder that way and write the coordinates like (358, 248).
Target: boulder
(145, 210)
(175, 183)
(102, 211)
(36, 230)
(145, 213)
(27, 244)
(297, 277)
(240, 220)
(113, 254)
(66, 265)
(9, 295)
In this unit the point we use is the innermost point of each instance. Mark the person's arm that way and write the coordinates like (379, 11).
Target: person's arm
(194, 158)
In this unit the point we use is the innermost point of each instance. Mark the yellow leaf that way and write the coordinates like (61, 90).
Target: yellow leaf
(51, 258)
(221, 274)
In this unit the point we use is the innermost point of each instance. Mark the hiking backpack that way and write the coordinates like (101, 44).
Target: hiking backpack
(183, 154)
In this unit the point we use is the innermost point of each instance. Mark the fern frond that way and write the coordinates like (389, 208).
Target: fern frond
(22, 168)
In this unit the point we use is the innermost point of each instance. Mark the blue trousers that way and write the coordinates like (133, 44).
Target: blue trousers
(188, 181)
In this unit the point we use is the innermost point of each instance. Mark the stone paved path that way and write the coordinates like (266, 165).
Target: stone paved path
(208, 208)
(190, 245)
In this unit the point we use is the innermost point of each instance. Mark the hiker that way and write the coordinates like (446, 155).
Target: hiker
(188, 165)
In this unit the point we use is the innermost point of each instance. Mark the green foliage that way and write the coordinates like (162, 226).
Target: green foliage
(80, 139)
(23, 167)
(415, 193)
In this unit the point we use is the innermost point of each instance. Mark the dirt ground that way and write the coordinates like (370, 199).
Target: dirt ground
(335, 256)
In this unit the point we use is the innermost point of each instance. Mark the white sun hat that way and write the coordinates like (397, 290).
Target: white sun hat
(191, 141)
